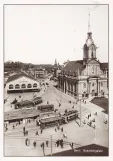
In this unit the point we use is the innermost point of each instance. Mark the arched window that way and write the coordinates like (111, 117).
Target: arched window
(10, 86)
(34, 85)
(84, 85)
(23, 86)
(29, 86)
(17, 86)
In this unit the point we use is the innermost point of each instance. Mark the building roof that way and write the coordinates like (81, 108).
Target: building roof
(74, 66)
(39, 69)
(104, 65)
(16, 76)
(20, 114)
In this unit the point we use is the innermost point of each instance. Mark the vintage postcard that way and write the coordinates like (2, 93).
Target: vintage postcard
(56, 80)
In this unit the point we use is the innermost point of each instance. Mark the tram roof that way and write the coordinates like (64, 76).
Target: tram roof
(20, 114)
(50, 119)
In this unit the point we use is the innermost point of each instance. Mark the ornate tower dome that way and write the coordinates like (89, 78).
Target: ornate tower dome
(89, 49)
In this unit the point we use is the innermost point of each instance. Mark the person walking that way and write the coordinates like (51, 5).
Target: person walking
(26, 141)
(61, 143)
(47, 142)
(42, 145)
(72, 145)
(23, 129)
(36, 133)
(41, 131)
(13, 126)
(94, 126)
(62, 129)
(34, 144)
(73, 106)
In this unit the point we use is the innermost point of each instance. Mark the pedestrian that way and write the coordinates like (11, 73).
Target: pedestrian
(90, 123)
(43, 146)
(13, 126)
(36, 133)
(55, 130)
(72, 145)
(47, 142)
(84, 122)
(62, 129)
(90, 115)
(26, 141)
(73, 106)
(41, 131)
(58, 142)
(94, 126)
(93, 120)
(34, 144)
(61, 143)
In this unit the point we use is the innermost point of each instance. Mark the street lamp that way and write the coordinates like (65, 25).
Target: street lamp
(51, 142)
(80, 113)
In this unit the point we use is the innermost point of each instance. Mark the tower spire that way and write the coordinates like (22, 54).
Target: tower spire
(89, 27)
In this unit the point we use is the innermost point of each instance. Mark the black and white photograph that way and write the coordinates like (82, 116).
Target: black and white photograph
(56, 80)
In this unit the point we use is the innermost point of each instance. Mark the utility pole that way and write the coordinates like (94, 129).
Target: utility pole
(80, 113)
(51, 144)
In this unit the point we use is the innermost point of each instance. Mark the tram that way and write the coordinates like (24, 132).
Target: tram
(46, 107)
(51, 121)
(28, 103)
(70, 115)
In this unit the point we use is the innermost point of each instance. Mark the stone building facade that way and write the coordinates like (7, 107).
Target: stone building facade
(86, 77)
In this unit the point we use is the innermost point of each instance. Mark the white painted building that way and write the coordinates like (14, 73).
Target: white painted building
(85, 77)
(22, 82)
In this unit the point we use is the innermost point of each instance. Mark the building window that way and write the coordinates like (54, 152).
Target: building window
(93, 84)
(17, 86)
(84, 85)
(10, 86)
(34, 85)
(92, 70)
(23, 86)
(29, 86)
(101, 84)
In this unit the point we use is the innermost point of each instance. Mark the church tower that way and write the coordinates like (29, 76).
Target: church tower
(89, 49)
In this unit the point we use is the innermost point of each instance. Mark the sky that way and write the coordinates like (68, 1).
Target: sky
(39, 34)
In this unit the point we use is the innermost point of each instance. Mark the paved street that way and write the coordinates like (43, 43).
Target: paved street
(15, 141)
